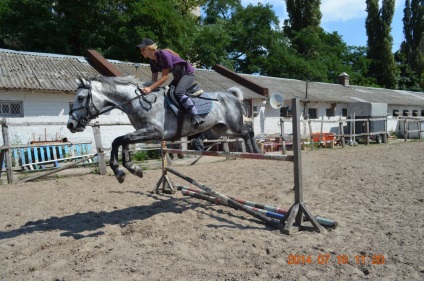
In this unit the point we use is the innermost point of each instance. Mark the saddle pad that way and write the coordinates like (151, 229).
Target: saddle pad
(203, 106)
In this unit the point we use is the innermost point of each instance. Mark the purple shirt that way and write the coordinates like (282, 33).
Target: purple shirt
(167, 60)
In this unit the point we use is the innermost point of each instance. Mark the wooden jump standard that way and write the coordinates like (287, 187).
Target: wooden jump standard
(294, 218)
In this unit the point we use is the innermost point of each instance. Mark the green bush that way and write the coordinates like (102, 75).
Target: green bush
(154, 154)
(140, 156)
(145, 155)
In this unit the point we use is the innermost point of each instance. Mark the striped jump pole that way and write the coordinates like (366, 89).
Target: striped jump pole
(225, 199)
(244, 202)
(271, 211)
(212, 199)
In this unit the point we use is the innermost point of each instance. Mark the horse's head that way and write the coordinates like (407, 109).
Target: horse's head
(85, 108)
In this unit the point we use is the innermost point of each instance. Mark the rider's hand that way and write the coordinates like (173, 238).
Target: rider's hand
(147, 90)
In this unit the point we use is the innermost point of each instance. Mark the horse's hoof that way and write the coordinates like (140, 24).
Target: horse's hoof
(120, 176)
(138, 172)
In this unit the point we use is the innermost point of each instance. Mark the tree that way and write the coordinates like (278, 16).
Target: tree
(242, 39)
(209, 44)
(411, 56)
(160, 21)
(378, 27)
(29, 25)
(326, 52)
(253, 30)
(302, 14)
(216, 10)
(357, 59)
(187, 7)
(113, 27)
(210, 38)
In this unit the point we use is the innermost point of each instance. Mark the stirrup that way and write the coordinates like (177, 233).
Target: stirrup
(196, 120)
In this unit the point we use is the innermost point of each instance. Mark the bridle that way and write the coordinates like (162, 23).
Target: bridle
(89, 105)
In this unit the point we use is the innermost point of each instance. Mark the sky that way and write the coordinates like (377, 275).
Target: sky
(347, 17)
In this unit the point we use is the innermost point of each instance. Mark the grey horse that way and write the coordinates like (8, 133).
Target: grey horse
(152, 117)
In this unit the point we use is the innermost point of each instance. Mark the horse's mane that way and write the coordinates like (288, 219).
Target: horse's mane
(118, 80)
(110, 83)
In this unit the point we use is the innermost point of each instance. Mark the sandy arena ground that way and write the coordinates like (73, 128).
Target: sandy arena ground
(89, 227)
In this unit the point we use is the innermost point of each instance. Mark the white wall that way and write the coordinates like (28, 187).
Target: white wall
(54, 107)
(267, 122)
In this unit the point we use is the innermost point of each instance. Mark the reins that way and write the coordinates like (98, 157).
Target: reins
(89, 101)
(138, 94)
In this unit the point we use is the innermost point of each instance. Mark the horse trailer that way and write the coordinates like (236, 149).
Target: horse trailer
(367, 110)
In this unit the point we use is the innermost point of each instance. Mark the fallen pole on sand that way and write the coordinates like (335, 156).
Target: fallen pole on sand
(246, 202)
(227, 200)
(267, 210)
(218, 201)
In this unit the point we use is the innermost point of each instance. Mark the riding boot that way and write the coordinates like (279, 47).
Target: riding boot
(196, 120)
(189, 106)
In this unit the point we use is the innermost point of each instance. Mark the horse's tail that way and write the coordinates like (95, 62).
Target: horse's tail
(239, 95)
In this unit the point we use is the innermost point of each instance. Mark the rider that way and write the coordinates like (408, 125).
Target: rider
(167, 61)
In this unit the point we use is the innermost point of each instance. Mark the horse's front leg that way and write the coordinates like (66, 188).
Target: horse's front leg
(114, 163)
(127, 163)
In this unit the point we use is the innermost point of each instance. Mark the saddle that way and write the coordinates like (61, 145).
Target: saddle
(201, 100)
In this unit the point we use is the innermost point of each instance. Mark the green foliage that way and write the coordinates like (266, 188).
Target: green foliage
(140, 155)
(326, 53)
(393, 134)
(112, 27)
(95, 170)
(245, 39)
(378, 26)
(144, 155)
(253, 30)
(218, 10)
(302, 14)
(357, 59)
(410, 57)
(204, 53)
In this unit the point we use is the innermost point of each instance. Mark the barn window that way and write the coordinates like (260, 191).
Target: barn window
(312, 113)
(333, 109)
(344, 112)
(11, 109)
(329, 112)
(285, 112)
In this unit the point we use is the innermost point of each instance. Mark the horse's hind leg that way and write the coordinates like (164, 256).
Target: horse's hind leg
(251, 145)
(248, 136)
(126, 161)
(114, 163)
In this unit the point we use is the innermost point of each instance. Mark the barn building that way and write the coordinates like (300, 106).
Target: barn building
(40, 88)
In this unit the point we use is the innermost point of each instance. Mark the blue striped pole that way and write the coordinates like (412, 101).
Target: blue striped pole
(269, 211)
